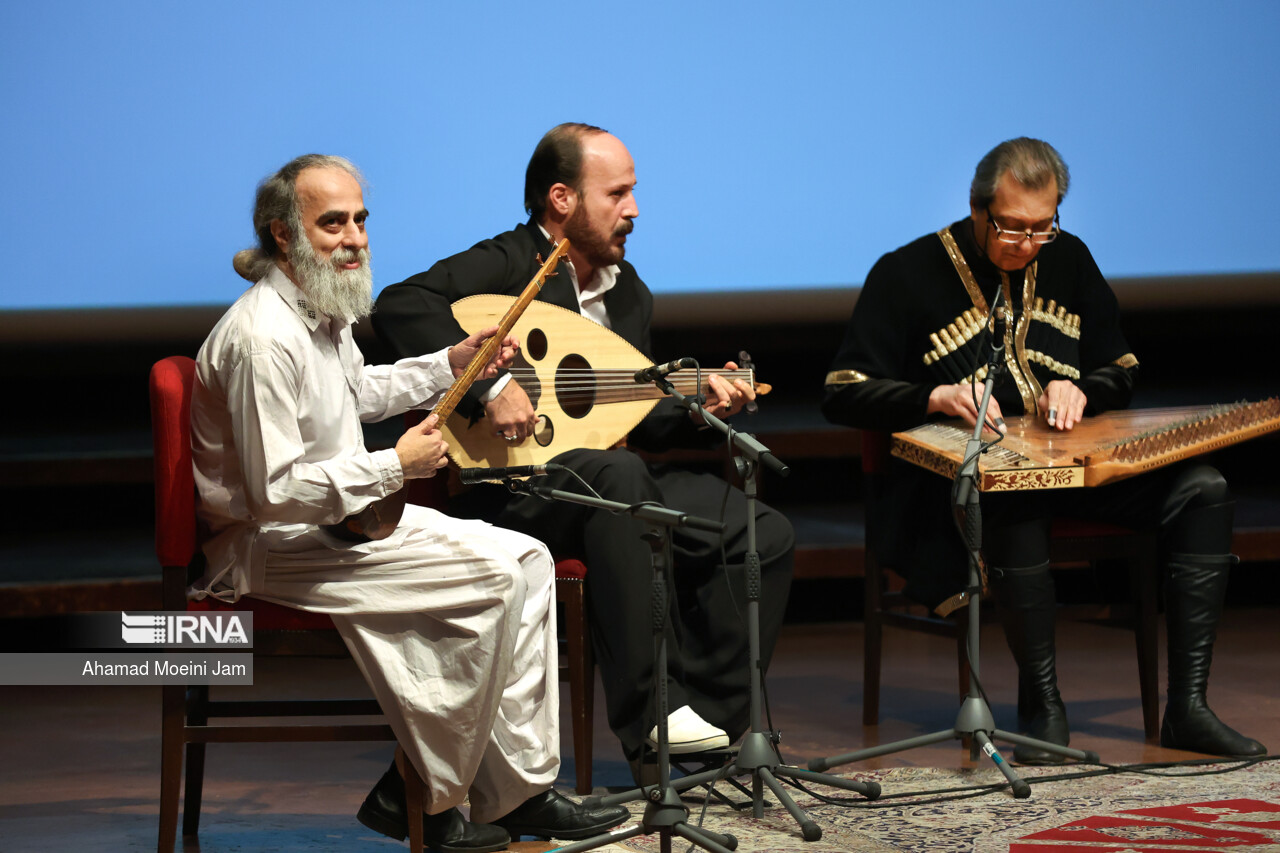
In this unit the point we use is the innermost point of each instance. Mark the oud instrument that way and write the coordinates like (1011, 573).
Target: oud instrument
(1099, 450)
(580, 378)
(380, 518)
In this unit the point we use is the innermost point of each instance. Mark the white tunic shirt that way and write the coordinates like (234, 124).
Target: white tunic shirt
(280, 394)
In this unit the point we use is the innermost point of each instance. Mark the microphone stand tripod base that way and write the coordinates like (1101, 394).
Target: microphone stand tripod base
(758, 757)
(664, 814)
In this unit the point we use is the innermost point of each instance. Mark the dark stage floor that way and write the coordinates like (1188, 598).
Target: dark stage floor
(81, 765)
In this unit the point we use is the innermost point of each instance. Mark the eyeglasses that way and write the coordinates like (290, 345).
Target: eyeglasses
(1015, 237)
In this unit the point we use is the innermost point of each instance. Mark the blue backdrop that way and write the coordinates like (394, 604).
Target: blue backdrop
(777, 145)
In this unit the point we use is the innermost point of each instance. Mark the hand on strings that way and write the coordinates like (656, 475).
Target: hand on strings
(511, 415)
(1062, 404)
(460, 355)
(962, 400)
(725, 398)
(422, 449)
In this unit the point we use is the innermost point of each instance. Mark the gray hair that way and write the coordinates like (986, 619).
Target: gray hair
(1031, 162)
(277, 198)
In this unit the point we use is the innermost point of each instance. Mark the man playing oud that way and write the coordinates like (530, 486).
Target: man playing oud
(580, 184)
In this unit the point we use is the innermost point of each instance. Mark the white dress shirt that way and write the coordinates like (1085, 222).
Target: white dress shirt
(280, 394)
(451, 621)
(590, 296)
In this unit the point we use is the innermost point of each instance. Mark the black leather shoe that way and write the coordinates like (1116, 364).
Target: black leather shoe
(384, 811)
(1190, 724)
(1047, 723)
(551, 815)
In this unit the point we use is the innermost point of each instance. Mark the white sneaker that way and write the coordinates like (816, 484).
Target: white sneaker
(687, 732)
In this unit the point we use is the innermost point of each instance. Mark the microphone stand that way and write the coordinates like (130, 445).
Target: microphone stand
(974, 720)
(758, 755)
(664, 814)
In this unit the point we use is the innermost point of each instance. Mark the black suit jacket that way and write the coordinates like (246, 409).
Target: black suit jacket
(414, 317)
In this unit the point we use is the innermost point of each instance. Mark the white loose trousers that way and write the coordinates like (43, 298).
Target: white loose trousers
(452, 623)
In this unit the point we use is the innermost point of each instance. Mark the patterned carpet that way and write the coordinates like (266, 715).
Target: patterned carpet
(1237, 810)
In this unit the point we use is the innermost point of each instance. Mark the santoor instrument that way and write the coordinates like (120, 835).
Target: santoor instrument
(1099, 450)
(580, 378)
(379, 519)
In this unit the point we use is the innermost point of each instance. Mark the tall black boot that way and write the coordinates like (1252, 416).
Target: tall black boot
(1027, 610)
(1197, 586)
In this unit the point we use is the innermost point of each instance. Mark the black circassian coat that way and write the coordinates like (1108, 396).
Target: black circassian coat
(921, 321)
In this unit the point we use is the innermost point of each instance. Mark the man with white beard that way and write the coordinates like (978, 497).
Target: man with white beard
(450, 621)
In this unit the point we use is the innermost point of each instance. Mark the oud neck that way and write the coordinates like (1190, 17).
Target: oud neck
(490, 348)
(686, 382)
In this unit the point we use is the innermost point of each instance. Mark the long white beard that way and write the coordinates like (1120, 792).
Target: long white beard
(330, 289)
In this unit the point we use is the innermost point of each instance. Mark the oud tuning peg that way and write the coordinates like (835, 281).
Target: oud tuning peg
(541, 262)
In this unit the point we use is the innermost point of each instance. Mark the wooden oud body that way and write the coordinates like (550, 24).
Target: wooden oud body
(578, 375)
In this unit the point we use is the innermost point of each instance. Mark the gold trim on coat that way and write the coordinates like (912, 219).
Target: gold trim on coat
(1028, 387)
(1053, 364)
(845, 377)
(1014, 356)
(1056, 316)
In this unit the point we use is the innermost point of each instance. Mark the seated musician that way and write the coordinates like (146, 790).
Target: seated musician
(450, 621)
(907, 358)
(579, 184)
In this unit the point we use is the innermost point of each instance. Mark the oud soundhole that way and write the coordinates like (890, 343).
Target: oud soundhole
(535, 343)
(575, 386)
(545, 432)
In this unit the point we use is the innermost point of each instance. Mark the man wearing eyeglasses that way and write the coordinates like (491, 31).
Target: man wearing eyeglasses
(917, 348)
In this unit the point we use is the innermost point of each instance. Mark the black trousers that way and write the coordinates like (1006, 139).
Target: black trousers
(1016, 525)
(707, 642)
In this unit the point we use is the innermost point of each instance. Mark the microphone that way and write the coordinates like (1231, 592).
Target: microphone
(658, 371)
(999, 313)
(471, 476)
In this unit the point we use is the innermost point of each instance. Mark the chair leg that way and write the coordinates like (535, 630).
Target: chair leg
(172, 705)
(197, 715)
(194, 789)
(872, 647)
(1146, 633)
(581, 680)
(413, 795)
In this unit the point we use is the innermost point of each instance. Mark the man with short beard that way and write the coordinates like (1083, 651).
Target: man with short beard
(280, 394)
(579, 184)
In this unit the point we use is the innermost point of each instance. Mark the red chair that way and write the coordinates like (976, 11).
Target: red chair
(1074, 544)
(187, 712)
(578, 658)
